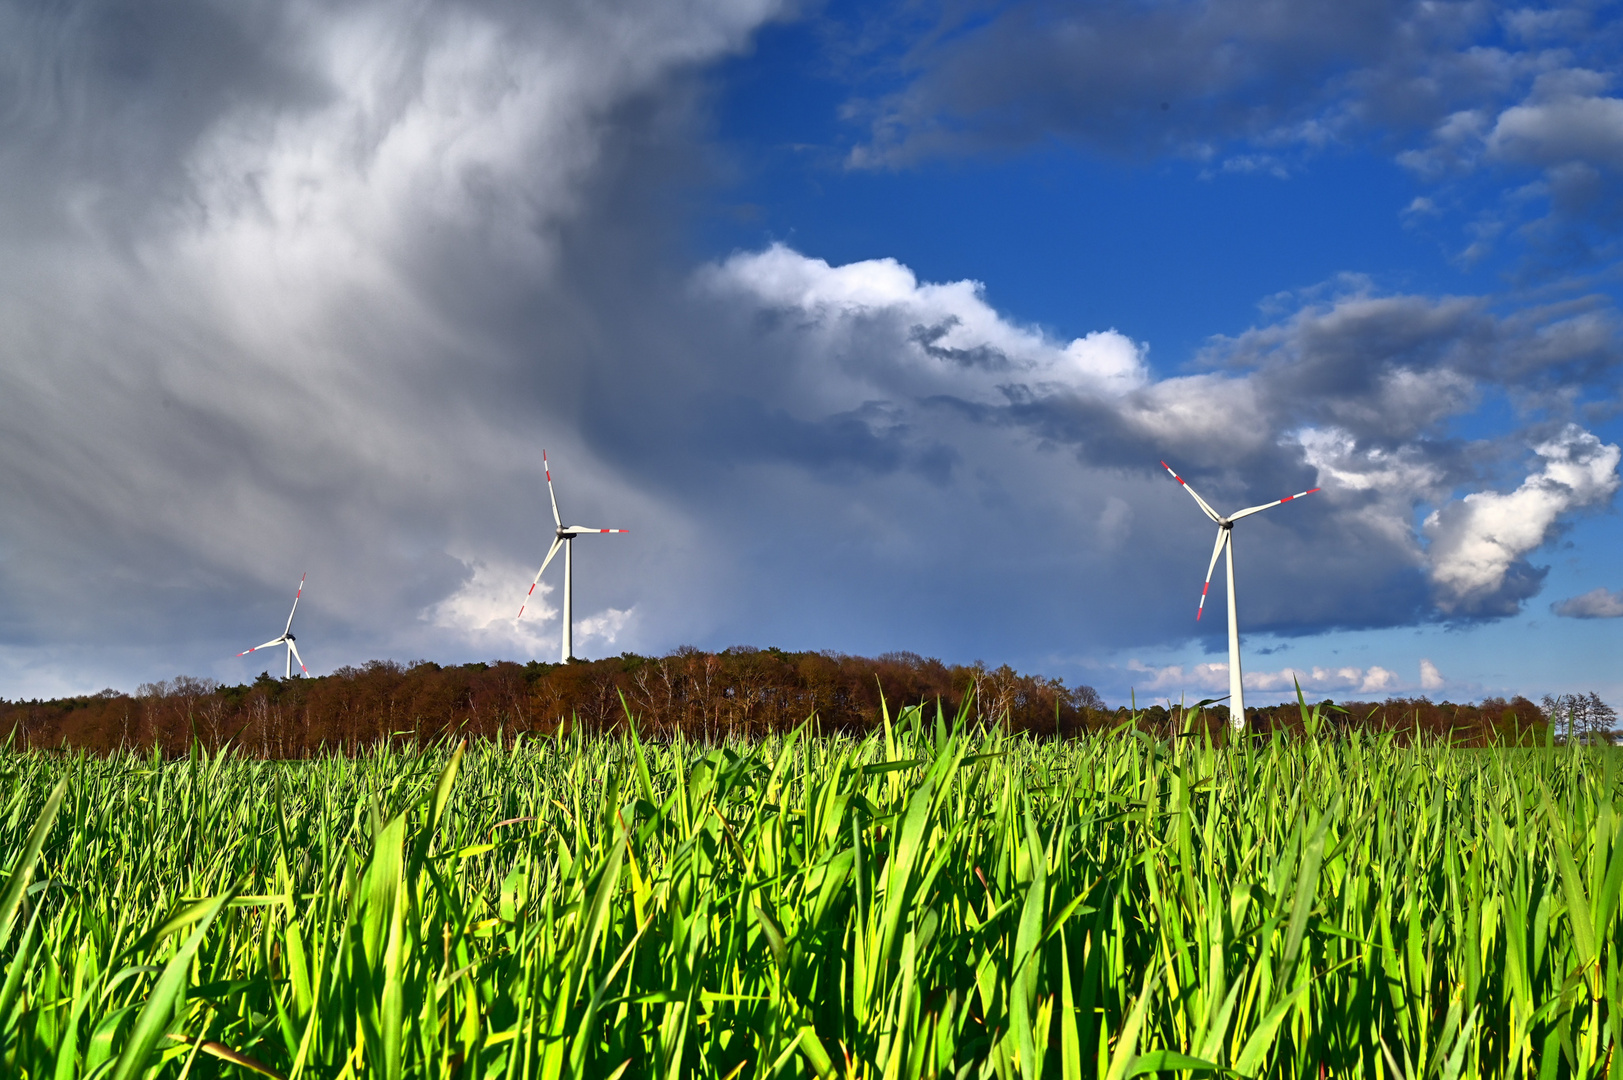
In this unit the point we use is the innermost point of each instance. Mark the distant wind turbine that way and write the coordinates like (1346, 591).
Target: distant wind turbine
(564, 538)
(1225, 540)
(287, 637)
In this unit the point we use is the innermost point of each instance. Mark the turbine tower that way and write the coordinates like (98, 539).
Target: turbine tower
(564, 538)
(1225, 541)
(287, 637)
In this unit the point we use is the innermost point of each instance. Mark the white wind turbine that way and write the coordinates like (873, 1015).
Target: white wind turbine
(1225, 540)
(287, 637)
(564, 538)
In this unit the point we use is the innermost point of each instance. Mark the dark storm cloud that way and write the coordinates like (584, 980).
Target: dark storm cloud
(282, 291)
(111, 96)
(869, 438)
(1358, 392)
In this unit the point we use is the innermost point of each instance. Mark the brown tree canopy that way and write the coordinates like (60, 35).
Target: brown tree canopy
(1493, 721)
(741, 691)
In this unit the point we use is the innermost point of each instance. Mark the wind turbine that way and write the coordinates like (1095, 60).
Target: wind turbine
(564, 538)
(287, 637)
(1225, 541)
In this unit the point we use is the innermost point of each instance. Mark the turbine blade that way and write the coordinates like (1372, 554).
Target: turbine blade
(1213, 514)
(267, 645)
(296, 596)
(578, 530)
(556, 544)
(556, 520)
(297, 657)
(1217, 549)
(1248, 511)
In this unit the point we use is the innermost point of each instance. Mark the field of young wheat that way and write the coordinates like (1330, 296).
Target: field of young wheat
(926, 902)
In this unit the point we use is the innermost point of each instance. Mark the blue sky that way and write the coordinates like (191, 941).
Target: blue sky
(871, 323)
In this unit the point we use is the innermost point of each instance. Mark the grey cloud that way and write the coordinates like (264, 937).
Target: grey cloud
(875, 438)
(1185, 78)
(280, 292)
(1600, 603)
(982, 356)
(1565, 118)
(1563, 129)
(1466, 94)
(1388, 372)
(109, 98)
(1355, 391)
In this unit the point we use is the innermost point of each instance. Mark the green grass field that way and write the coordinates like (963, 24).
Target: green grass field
(921, 903)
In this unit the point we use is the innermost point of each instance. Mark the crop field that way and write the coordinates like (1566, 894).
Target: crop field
(924, 902)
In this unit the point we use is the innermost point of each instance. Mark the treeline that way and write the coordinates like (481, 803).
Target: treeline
(742, 691)
(1491, 722)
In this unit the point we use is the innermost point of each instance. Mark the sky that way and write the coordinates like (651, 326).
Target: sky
(872, 323)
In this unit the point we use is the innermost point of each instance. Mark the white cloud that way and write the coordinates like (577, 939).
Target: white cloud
(1377, 680)
(484, 611)
(1478, 544)
(879, 331)
(1391, 480)
(1214, 678)
(1564, 119)
(1430, 677)
(606, 625)
(1601, 603)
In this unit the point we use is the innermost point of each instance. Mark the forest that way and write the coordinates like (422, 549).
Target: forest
(703, 695)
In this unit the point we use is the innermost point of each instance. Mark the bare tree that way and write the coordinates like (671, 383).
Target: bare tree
(1599, 719)
(1581, 718)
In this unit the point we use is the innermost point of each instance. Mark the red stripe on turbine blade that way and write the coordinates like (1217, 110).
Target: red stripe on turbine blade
(532, 589)
(1309, 491)
(1203, 589)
